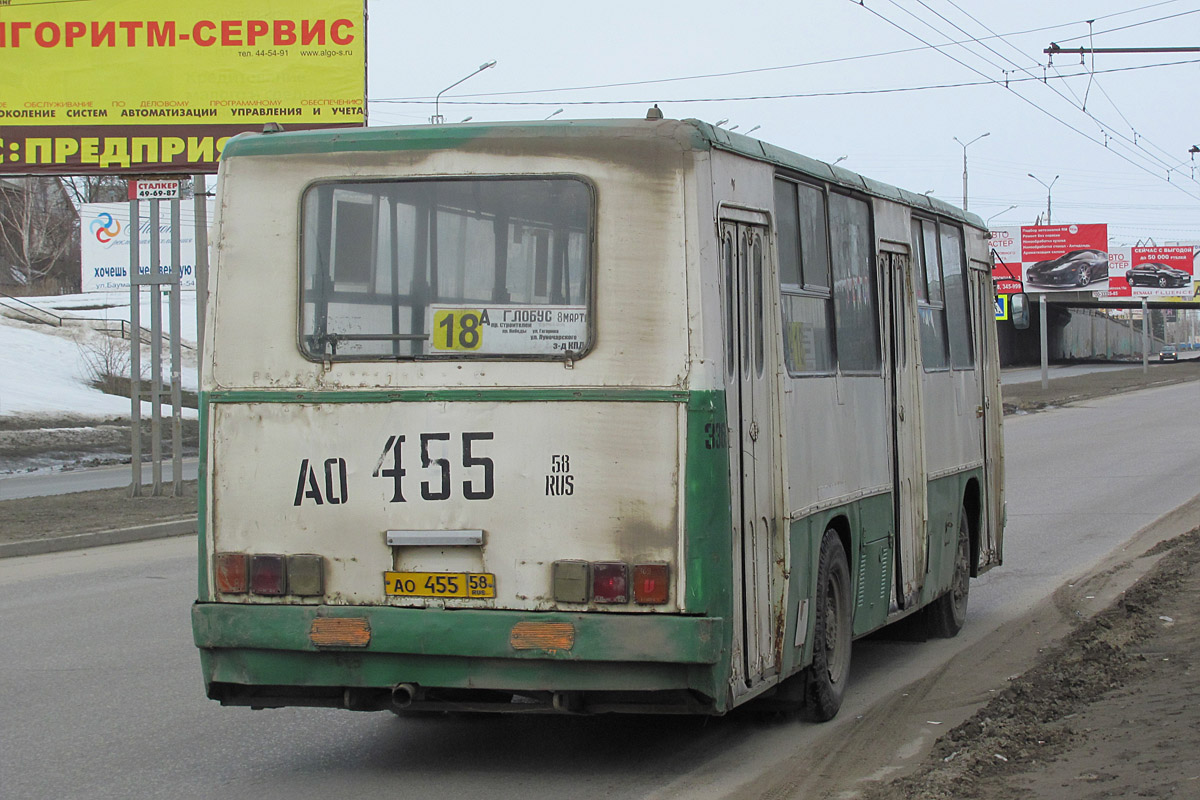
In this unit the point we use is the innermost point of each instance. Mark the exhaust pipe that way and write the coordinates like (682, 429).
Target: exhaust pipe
(567, 702)
(405, 694)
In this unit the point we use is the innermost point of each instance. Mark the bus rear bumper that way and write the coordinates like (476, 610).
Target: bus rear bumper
(414, 659)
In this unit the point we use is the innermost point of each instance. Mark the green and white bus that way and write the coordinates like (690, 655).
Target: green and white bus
(584, 416)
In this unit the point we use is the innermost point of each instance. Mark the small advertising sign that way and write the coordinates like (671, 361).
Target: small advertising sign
(1161, 271)
(1118, 265)
(1006, 269)
(1064, 258)
(104, 246)
(154, 189)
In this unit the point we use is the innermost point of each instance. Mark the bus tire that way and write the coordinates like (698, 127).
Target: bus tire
(945, 617)
(832, 633)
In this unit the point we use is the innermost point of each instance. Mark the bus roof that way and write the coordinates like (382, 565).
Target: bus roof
(691, 133)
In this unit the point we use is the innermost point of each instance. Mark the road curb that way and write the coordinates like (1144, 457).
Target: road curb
(79, 541)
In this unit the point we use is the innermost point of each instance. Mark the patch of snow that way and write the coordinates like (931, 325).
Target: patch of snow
(43, 369)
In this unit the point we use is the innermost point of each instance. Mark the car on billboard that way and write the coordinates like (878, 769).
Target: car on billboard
(1155, 274)
(1077, 268)
(1168, 353)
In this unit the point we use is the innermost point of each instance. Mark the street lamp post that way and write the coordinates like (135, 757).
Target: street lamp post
(437, 118)
(964, 147)
(998, 213)
(1048, 186)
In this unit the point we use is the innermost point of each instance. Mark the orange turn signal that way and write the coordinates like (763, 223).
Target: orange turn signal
(231, 574)
(542, 636)
(340, 632)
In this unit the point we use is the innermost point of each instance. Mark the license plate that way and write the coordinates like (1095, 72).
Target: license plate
(440, 584)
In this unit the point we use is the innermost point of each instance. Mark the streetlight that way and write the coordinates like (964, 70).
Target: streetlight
(438, 119)
(752, 130)
(964, 147)
(1048, 188)
(840, 159)
(721, 122)
(998, 213)
(555, 113)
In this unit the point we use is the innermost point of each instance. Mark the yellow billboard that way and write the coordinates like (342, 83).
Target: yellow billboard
(143, 86)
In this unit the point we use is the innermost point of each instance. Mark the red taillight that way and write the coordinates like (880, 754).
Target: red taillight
(610, 582)
(651, 584)
(231, 575)
(267, 575)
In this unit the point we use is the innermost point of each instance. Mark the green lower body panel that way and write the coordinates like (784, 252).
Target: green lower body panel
(263, 655)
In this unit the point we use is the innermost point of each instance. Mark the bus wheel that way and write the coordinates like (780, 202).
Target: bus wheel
(830, 667)
(948, 613)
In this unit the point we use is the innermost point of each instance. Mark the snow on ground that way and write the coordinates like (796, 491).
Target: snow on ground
(43, 369)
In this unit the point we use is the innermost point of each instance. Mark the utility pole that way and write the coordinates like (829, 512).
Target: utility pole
(1048, 186)
(964, 147)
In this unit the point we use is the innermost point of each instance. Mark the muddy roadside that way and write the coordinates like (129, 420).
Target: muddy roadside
(1109, 711)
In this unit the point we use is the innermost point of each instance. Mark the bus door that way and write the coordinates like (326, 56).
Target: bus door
(749, 387)
(988, 410)
(909, 498)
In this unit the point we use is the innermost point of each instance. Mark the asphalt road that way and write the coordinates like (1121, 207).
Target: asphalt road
(41, 484)
(102, 698)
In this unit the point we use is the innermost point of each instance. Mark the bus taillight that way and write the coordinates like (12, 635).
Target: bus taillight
(651, 584)
(610, 582)
(267, 575)
(301, 575)
(231, 574)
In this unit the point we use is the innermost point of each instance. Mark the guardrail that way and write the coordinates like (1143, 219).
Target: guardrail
(113, 327)
(20, 307)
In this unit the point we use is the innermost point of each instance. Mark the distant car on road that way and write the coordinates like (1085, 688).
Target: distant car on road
(1077, 268)
(1168, 353)
(1154, 274)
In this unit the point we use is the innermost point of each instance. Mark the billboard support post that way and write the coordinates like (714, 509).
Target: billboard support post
(1045, 342)
(135, 352)
(176, 354)
(155, 352)
(200, 202)
(158, 280)
(1145, 336)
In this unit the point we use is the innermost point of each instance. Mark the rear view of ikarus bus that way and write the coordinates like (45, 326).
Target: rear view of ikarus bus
(597, 416)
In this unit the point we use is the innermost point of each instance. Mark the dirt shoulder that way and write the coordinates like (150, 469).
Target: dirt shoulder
(1026, 397)
(1108, 712)
(35, 518)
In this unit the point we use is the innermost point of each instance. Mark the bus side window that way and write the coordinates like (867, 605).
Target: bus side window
(805, 295)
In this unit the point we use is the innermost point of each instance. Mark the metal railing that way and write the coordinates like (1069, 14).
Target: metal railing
(28, 310)
(113, 327)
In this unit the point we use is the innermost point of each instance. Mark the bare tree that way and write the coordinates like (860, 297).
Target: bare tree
(96, 189)
(39, 231)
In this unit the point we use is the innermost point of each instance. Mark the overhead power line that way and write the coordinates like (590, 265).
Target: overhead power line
(801, 65)
(1005, 84)
(467, 99)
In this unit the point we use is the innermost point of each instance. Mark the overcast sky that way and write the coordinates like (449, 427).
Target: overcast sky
(839, 60)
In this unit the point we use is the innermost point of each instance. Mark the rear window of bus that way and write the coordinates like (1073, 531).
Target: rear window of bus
(448, 268)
